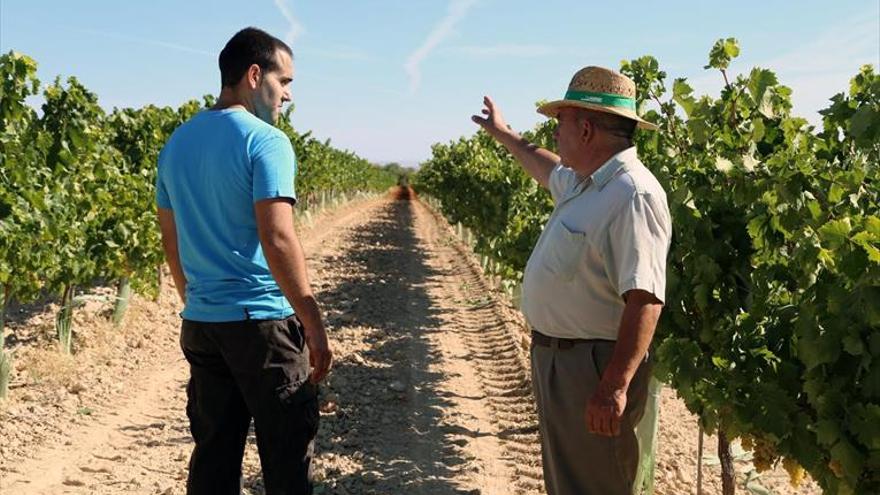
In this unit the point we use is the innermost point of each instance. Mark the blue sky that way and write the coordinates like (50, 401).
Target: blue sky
(387, 78)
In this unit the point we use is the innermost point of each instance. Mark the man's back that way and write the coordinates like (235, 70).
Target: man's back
(211, 171)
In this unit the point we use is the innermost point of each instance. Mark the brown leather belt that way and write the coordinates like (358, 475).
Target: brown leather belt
(540, 339)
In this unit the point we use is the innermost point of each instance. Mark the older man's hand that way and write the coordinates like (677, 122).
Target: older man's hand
(493, 122)
(605, 411)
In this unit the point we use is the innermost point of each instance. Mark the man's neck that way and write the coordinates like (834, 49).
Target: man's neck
(594, 160)
(229, 99)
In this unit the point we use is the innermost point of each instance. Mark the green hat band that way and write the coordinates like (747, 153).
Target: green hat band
(605, 99)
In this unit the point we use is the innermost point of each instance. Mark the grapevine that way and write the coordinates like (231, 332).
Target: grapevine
(77, 191)
(771, 330)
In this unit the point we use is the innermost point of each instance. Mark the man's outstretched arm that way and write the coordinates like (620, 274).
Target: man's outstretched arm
(537, 161)
(287, 262)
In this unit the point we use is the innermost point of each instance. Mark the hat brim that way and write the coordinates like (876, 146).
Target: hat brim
(552, 110)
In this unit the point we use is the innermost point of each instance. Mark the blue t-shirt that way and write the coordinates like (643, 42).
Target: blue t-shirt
(211, 172)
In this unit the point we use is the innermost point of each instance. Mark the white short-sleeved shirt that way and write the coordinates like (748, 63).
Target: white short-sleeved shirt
(608, 234)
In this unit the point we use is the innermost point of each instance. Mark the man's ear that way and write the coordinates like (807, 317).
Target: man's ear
(588, 130)
(254, 76)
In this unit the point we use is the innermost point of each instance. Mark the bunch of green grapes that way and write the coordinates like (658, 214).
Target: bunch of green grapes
(795, 471)
(763, 453)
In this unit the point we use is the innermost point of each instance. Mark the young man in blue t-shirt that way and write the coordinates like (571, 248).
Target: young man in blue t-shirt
(251, 326)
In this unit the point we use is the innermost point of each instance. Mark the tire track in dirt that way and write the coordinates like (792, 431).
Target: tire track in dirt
(498, 336)
(493, 336)
(409, 413)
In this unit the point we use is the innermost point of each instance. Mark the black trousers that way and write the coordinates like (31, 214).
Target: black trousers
(241, 370)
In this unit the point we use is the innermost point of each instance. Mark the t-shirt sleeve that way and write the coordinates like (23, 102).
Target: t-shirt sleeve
(638, 243)
(561, 180)
(162, 199)
(274, 165)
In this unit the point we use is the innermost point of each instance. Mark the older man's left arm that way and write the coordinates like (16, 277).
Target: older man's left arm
(605, 409)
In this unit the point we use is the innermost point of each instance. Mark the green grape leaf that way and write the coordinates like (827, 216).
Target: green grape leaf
(850, 459)
(866, 425)
(864, 119)
(836, 232)
(827, 432)
(853, 345)
(722, 53)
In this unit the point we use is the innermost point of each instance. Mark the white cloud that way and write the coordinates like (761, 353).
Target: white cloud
(295, 28)
(457, 10)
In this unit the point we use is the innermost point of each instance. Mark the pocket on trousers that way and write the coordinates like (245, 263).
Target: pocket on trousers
(187, 330)
(284, 337)
(295, 332)
(284, 361)
(303, 402)
(565, 251)
(600, 355)
(312, 415)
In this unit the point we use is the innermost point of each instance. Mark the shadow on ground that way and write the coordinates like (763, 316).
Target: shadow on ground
(387, 435)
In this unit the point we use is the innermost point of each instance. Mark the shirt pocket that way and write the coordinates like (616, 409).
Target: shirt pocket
(564, 251)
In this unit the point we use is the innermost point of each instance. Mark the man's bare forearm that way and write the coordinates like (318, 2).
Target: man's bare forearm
(172, 257)
(637, 327)
(537, 162)
(287, 263)
(168, 229)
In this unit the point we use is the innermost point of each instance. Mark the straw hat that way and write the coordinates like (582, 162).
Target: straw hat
(602, 90)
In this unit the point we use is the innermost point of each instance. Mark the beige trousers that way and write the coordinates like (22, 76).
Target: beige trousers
(577, 462)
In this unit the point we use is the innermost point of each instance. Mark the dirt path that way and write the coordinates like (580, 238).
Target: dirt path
(429, 394)
(404, 411)
(412, 414)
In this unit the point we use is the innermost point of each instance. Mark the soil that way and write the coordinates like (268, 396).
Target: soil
(429, 393)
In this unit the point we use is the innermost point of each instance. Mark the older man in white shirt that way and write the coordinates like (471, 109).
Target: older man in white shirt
(594, 285)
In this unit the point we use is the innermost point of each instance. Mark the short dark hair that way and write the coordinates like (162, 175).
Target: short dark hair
(615, 125)
(249, 46)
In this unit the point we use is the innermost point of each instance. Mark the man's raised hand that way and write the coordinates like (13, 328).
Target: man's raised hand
(493, 122)
(537, 161)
